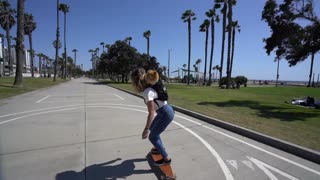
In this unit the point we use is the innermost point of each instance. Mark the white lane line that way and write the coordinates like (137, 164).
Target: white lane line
(143, 107)
(6, 115)
(14, 119)
(42, 99)
(264, 167)
(256, 147)
(119, 96)
(208, 146)
(223, 166)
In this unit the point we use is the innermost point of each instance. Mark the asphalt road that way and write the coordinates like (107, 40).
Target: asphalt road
(81, 130)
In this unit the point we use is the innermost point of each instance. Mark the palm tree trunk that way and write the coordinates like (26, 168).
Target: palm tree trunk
(40, 68)
(224, 11)
(232, 49)
(57, 44)
(19, 44)
(229, 43)
(206, 57)
(189, 48)
(31, 54)
(212, 46)
(278, 63)
(65, 46)
(217, 74)
(311, 69)
(9, 50)
(2, 48)
(148, 47)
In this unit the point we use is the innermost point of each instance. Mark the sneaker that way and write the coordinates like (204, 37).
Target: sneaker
(162, 162)
(155, 151)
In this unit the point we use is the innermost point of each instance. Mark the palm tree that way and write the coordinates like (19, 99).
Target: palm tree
(211, 14)
(128, 40)
(44, 65)
(7, 22)
(93, 65)
(107, 46)
(217, 5)
(217, 69)
(102, 44)
(235, 26)
(2, 48)
(97, 51)
(65, 9)
(184, 66)
(19, 44)
(40, 56)
(49, 67)
(198, 62)
(230, 2)
(56, 44)
(29, 27)
(188, 16)
(195, 67)
(204, 27)
(91, 51)
(147, 35)
(75, 57)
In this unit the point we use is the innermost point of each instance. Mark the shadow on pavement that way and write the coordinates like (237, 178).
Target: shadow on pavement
(105, 171)
(95, 83)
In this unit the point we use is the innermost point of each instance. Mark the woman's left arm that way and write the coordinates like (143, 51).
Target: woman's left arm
(151, 113)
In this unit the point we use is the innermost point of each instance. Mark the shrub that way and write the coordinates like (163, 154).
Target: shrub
(234, 82)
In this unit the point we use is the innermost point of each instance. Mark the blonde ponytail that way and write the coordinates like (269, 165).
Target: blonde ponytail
(151, 77)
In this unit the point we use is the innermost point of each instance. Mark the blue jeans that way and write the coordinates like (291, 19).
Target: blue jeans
(163, 118)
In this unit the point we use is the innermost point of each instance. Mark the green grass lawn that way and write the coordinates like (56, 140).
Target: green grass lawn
(261, 109)
(29, 84)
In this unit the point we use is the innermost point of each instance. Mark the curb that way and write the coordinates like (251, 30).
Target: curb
(291, 148)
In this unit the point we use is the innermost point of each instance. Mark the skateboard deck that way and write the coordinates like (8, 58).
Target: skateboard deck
(165, 169)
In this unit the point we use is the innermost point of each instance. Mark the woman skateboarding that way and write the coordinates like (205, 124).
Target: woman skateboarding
(160, 113)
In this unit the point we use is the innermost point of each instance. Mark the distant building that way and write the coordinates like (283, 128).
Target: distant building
(4, 61)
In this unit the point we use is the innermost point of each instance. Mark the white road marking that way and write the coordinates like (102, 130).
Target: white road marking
(42, 99)
(23, 112)
(224, 167)
(233, 163)
(119, 96)
(77, 101)
(14, 119)
(249, 164)
(256, 147)
(264, 167)
(143, 107)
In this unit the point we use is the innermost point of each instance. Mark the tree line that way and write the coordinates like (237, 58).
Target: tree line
(26, 25)
(295, 32)
(289, 39)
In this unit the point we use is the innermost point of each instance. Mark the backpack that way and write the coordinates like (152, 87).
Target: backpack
(161, 91)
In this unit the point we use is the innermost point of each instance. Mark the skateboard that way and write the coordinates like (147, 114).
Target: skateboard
(167, 173)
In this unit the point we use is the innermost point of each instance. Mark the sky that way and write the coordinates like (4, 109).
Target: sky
(91, 22)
